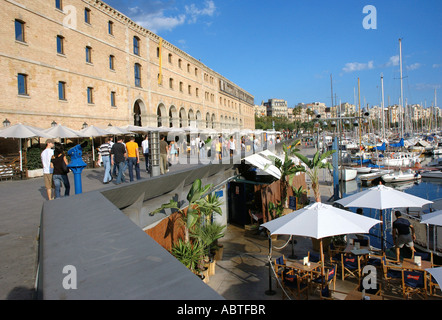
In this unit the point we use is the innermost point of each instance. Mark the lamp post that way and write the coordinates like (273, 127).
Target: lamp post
(6, 123)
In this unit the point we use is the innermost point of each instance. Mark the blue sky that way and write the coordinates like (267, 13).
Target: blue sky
(287, 49)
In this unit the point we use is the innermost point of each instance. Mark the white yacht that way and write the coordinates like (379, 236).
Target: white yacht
(400, 176)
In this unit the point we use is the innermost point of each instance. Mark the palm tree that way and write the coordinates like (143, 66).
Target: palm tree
(312, 169)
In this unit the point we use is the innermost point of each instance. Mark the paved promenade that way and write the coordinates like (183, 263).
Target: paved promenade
(20, 213)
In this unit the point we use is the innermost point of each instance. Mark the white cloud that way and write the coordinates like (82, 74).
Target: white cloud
(394, 61)
(358, 66)
(437, 66)
(414, 66)
(158, 21)
(194, 13)
(155, 15)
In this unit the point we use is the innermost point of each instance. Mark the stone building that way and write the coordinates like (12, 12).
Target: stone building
(81, 62)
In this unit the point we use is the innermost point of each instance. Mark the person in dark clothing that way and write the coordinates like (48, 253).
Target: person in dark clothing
(60, 175)
(403, 234)
(119, 156)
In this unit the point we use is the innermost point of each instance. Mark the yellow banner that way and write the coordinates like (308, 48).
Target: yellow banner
(160, 47)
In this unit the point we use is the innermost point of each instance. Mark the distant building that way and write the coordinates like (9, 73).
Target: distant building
(260, 111)
(276, 108)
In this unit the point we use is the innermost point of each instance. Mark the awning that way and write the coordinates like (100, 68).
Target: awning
(261, 161)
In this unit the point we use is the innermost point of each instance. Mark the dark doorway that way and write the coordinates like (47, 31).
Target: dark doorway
(137, 114)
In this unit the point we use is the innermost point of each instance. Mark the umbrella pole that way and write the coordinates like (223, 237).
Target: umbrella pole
(21, 157)
(321, 249)
(270, 291)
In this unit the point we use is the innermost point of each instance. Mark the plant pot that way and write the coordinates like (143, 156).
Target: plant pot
(211, 269)
(219, 253)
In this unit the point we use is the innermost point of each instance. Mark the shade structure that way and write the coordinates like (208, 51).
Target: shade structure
(434, 218)
(264, 164)
(320, 220)
(436, 273)
(92, 131)
(60, 131)
(21, 131)
(381, 198)
(117, 130)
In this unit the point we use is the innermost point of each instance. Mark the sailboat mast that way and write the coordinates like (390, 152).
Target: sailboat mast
(382, 108)
(360, 122)
(402, 90)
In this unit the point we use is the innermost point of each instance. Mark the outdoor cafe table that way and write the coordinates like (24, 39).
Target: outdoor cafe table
(350, 248)
(409, 264)
(299, 266)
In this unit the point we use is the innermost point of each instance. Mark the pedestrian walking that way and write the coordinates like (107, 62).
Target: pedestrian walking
(105, 153)
(133, 159)
(46, 157)
(118, 157)
(164, 149)
(60, 172)
(145, 147)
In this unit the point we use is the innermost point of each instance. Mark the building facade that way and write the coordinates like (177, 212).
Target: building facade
(276, 108)
(81, 62)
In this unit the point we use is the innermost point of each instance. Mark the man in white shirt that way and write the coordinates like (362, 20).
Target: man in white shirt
(46, 157)
(145, 146)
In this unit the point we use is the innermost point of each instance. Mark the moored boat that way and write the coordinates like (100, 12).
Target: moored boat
(400, 176)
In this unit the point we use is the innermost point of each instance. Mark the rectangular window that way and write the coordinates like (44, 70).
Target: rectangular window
(111, 62)
(59, 4)
(19, 30)
(89, 54)
(22, 83)
(87, 15)
(60, 46)
(61, 90)
(136, 46)
(137, 72)
(90, 95)
(110, 27)
(113, 104)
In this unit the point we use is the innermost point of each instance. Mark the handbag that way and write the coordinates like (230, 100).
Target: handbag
(64, 167)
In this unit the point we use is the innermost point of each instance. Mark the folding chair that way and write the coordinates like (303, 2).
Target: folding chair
(414, 282)
(296, 284)
(351, 266)
(326, 280)
(390, 272)
(334, 253)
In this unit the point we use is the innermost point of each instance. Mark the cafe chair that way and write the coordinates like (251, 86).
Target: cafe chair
(328, 294)
(351, 266)
(314, 257)
(433, 286)
(296, 284)
(414, 282)
(334, 253)
(328, 279)
(280, 266)
(391, 273)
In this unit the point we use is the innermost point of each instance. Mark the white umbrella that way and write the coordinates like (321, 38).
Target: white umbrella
(381, 198)
(434, 218)
(92, 131)
(117, 130)
(436, 273)
(22, 131)
(60, 131)
(318, 221)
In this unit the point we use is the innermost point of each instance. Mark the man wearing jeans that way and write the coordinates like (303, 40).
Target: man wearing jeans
(104, 151)
(145, 146)
(133, 156)
(119, 155)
